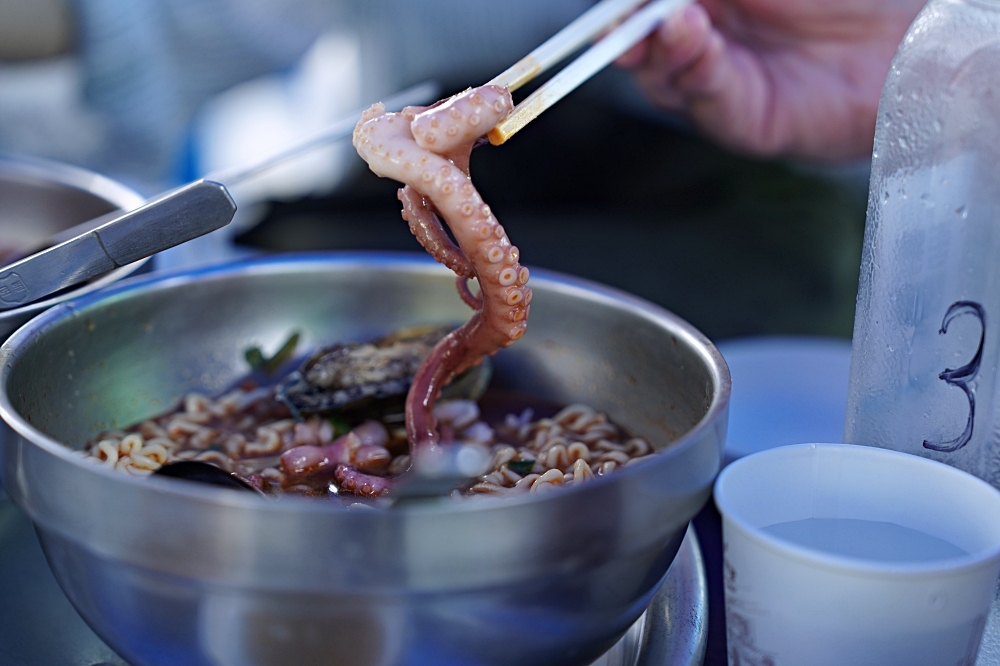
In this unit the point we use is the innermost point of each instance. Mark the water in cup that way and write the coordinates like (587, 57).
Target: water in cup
(865, 539)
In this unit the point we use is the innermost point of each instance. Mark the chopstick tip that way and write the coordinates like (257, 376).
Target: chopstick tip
(496, 136)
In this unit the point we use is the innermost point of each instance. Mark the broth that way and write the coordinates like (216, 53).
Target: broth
(534, 445)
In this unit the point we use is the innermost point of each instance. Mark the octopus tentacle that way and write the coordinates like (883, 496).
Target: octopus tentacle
(429, 151)
(470, 299)
(448, 358)
(427, 229)
(301, 462)
(368, 485)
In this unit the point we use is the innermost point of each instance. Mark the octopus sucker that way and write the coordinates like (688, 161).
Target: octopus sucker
(367, 485)
(427, 229)
(514, 297)
(480, 243)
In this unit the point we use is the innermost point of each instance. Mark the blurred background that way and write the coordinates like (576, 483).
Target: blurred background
(157, 92)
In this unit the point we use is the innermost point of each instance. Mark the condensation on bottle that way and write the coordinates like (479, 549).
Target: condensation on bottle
(926, 351)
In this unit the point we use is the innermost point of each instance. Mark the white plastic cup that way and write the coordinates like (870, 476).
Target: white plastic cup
(793, 605)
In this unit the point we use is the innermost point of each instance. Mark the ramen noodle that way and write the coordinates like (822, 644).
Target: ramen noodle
(249, 432)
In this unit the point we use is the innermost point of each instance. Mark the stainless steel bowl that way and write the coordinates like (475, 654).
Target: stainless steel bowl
(168, 572)
(38, 199)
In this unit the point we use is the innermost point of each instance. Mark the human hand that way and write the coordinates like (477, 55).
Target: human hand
(796, 78)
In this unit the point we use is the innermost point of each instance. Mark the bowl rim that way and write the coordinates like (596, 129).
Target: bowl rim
(114, 193)
(27, 335)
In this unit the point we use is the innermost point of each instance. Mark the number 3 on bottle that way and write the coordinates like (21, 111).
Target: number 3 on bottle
(963, 376)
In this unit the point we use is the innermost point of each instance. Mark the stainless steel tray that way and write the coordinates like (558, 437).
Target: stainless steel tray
(38, 626)
(674, 629)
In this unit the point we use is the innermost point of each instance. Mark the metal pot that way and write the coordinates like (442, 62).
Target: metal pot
(38, 199)
(168, 572)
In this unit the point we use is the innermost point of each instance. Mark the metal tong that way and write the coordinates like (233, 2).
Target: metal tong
(113, 240)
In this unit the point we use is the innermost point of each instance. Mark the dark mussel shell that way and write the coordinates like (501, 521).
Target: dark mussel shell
(203, 472)
(371, 379)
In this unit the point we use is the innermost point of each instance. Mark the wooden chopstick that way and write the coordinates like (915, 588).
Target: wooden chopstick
(596, 58)
(583, 29)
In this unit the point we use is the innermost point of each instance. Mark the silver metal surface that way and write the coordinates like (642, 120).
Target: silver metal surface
(437, 472)
(169, 573)
(112, 240)
(45, 198)
(168, 220)
(38, 626)
(674, 629)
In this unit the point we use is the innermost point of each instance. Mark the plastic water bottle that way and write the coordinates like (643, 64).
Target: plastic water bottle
(927, 332)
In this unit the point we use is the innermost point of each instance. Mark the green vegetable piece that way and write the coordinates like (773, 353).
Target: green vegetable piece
(522, 467)
(283, 354)
(340, 426)
(257, 361)
(254, 357)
